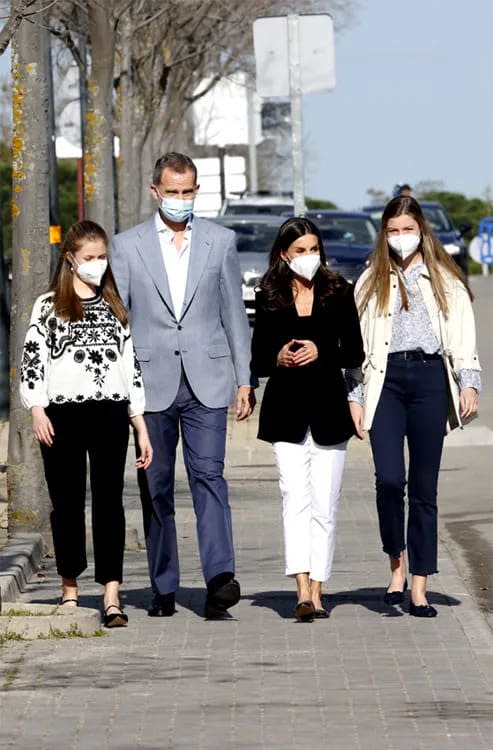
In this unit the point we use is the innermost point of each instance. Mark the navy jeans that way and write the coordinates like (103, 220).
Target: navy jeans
(413, 404)
(203, 432)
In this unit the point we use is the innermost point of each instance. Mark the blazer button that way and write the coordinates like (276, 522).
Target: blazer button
(179, 328)
(177, 352)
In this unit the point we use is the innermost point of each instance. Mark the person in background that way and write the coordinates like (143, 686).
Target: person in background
(306, 330)
(402, 190)
(82, 383)
(180, 277)
(419, 335)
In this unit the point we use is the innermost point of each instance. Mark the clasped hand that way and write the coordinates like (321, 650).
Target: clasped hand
(297, 352)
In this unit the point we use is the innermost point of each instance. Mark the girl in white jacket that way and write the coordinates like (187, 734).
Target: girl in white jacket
(421, 370)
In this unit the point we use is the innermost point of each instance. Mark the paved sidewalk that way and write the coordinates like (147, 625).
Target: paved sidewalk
(369, 677)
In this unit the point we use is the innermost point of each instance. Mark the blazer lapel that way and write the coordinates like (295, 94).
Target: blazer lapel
(149, 249)
(199, 254)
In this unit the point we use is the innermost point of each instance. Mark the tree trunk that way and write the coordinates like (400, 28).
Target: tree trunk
(147, 160)
(128, 191)
(99, 190)
(4, 334)
(28, 498)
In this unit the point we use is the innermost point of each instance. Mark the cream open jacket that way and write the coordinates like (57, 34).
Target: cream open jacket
(456, 331)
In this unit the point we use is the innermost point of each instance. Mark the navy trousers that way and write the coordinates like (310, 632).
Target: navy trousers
(413, 404)
(203, 432)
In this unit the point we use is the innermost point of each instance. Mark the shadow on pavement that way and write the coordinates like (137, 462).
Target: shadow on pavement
(281, 602)
(284, 602)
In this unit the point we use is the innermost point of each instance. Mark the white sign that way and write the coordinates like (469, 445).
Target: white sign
(221, 116)
(208, 199)
(317, 57)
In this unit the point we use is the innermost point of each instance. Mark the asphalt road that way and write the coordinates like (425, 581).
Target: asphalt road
(466, 479)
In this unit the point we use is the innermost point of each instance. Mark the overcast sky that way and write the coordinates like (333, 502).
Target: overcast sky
(414, 101)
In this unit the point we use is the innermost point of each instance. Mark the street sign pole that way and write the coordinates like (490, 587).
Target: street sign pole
(294, 55)
(252, 147)
(295, 94)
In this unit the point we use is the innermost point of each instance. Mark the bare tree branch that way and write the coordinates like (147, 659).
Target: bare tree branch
(15, 19)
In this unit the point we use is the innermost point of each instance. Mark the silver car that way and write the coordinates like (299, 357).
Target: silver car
(255, 235)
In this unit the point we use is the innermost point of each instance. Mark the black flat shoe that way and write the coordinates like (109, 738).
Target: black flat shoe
(422, 610)
(395, 597)
(321, 614)
(72, 602)
(163, 605)
(220, 597)
(305, 610)
(115, 619)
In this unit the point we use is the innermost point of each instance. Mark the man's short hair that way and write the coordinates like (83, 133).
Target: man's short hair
(175, 161)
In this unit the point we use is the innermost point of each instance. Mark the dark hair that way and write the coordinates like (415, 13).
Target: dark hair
(276, 284)
(175, 161)
(383, 259)
(66, 302)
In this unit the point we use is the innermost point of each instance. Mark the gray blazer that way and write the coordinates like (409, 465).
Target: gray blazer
(211, 336)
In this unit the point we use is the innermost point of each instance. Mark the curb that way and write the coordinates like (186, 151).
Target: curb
(19, 561)
(31, 621)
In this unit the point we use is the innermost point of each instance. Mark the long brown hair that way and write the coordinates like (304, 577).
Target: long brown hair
(66, 302)
(276, 284)
(383, 260)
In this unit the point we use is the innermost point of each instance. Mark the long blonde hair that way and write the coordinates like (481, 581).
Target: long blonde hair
(67, 304)
(383, 260)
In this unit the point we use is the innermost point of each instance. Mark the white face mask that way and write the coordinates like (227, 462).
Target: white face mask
(92, 271)
(305, 266)
(404, 244)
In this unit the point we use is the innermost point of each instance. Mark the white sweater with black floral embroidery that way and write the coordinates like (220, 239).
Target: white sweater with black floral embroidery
(92, 359)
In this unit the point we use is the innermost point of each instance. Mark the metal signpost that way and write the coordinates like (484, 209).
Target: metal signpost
(294, 55)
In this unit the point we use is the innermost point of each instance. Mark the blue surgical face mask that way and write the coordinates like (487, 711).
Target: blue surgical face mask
(176, 209)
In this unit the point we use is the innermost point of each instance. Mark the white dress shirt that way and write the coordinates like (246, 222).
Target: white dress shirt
(175, 261)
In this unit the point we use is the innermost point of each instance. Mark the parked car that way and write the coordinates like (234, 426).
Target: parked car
(259, 203)
(255, 235)
(348, 237)
(451, 238)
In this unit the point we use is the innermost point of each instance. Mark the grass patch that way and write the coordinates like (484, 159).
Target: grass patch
(72, 632)
(54, 633)
(6, 637)
(25, 613)
(10, 677)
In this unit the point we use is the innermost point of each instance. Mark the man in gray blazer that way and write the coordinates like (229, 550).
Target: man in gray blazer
(179, 277)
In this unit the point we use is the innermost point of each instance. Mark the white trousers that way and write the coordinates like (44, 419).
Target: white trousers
(310, 479)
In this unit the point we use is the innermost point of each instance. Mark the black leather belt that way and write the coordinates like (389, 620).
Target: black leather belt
(415, 355)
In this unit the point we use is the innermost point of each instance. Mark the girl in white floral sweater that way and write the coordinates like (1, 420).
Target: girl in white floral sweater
(82, 382)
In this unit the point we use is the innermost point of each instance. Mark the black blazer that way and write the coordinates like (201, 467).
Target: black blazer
(313, 396)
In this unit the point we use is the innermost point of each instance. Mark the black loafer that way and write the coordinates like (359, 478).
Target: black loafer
(395, 597)
(422, 610)
(321, 614)
(220, 597)
(163, 605)
(305, 610)
(116, 618)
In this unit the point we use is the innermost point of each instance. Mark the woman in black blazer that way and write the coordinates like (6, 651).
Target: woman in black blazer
(306, 330)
